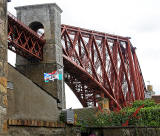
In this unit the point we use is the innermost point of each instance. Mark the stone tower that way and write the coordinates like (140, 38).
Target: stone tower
(45, 17)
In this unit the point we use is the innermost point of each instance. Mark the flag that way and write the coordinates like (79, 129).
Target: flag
(60, 74)
(53, 75)
(47, 77)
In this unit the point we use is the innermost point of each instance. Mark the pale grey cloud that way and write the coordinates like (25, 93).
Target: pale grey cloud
(146, 24)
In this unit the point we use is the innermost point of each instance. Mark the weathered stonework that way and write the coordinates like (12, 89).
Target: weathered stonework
(35, 123)
(49, 16)
(3, 89)
(3, 68)
(36, 131)
(4, 101)
(27, 101)
(127, 131)
(44, 131)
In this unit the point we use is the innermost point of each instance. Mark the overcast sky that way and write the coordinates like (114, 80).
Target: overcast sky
(138, 19)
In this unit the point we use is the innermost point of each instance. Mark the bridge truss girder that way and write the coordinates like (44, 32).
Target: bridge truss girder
(24, 41)
(100, 64)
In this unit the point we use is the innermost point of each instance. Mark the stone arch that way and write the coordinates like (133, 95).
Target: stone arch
(37, 27)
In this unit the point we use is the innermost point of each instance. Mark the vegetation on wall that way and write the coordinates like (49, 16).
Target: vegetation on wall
(148, 114)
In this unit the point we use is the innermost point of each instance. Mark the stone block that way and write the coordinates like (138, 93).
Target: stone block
(5, 126)
(3, 33)
(3, 54)
(5, 101)
(3, 81)
(3, 69)
(3, 110)
(3, 89)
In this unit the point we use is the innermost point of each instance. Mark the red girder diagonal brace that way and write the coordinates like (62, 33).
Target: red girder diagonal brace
(23, 40)
(97, 63)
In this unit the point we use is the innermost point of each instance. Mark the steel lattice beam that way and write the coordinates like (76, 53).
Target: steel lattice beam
(23, 40)
(101, 64)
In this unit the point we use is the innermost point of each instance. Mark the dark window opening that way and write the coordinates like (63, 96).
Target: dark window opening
(37, 27)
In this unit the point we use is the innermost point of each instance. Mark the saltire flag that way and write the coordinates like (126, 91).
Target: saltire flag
(53, 75)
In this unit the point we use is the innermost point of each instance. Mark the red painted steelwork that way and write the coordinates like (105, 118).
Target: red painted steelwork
(98, 64)
(23, 40)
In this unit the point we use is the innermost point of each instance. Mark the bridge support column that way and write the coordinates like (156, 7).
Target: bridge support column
(104, 104)
(45, 17)
(3, 68)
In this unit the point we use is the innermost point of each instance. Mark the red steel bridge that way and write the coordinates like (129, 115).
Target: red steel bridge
(95, 64)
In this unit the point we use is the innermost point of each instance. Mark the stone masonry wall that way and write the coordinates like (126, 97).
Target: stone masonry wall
(49, 16)
(3, 68)
(35, 131)
(27, 101)
(124, 131)
(44, 131)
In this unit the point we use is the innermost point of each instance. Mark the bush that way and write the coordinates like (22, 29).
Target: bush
(149, 115)
(147, 103)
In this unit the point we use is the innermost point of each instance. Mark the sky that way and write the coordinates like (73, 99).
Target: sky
(138, 19)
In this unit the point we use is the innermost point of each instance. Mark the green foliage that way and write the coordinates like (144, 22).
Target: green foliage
(83, 124)
(149, 115)
(147, 103)
(62, 117)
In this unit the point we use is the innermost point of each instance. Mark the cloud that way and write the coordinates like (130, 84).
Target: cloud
(146, 24)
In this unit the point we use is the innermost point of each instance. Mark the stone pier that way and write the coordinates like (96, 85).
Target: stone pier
(46, 17)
